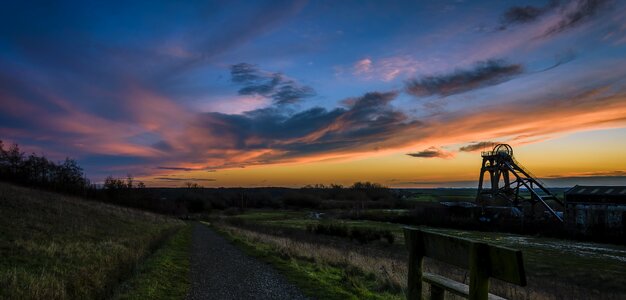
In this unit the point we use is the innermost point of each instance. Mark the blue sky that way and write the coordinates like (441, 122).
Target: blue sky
(151, 88)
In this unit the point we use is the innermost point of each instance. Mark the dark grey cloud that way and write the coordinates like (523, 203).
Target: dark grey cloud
(478, 146)
(522, 14)
(483, 74)
(184, 179)
(578, 13)
(569, 181)
(176, 168)
(367, 120)
(525, 14)
(431, 152)
(570, 13)
(271, 85)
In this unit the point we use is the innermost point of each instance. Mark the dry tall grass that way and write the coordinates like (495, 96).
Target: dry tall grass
(59, 247)
(388, 271)
(392, 270)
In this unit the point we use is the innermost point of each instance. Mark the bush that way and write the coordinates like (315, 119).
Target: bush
(333, 229)
(232, 211)
(387, 235)
(361, 235)
(195, 205)
(365, 235)
(301, 200)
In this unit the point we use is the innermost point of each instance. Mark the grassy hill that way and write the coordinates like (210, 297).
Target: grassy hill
(60, 247)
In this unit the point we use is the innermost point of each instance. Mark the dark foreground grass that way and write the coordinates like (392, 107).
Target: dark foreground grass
(58, 247)
(317, 279)
(165, 274)
(556, 268)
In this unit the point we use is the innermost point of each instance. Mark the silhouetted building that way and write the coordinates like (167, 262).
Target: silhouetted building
(596, 210)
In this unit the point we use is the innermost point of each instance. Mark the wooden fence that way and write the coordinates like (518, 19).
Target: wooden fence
(482, 260)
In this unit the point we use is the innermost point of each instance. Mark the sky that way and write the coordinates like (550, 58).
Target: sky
(289, 93)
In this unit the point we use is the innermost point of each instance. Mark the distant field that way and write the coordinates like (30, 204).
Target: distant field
(458, 194)
(554, 266)
(58, 247)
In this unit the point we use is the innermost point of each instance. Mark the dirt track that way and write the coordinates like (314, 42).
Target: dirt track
(219, 270)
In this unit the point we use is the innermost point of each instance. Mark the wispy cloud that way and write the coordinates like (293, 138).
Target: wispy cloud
(367, 119)
(483, 74)
(614, 173)
(191, 179)
(386, 68)
(271, 85)
(616, 177)
(432, 152)
(185, 169)
(577, 13)
(478, 146)
(566, 14)
(524, 14)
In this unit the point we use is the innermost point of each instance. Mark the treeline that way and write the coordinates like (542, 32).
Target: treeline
(360, 195)
(67, 177)
(37, 171)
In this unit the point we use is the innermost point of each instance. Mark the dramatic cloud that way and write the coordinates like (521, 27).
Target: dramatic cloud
(148, 94)
(183, 179)
(432, 152)
(522, 14)
(615, 173)
(577, 13)
(487, 73)
(617, 177)
(568, 14)
(525, 14)
(271, 85)
(367, 120)
(478, 146)
(183, 169)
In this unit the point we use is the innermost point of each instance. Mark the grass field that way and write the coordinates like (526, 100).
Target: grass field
(555, 267)
(320, 271)
(165, 274)
(58, 247)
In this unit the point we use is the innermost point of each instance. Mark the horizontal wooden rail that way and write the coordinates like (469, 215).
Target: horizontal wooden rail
(483, 261)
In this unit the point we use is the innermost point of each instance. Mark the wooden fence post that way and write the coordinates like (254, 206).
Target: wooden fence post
(415, 245)
(480, 269)
(437, 293)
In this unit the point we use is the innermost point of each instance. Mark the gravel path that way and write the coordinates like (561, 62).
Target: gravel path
(219, 270)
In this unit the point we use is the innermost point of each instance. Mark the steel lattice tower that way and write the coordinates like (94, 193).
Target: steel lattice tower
(500, 164)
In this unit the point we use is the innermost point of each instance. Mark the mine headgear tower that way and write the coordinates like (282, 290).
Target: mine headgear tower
(501, 165)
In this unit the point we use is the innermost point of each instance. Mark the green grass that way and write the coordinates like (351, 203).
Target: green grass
(165, 274)
(58, 247)
(316, 279)
(550, 263)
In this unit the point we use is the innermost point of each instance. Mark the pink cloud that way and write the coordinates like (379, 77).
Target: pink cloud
(387, 68)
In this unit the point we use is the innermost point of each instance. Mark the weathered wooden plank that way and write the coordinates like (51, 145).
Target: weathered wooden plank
(479, 271)
(437, 293)
(452, 286)
(449, 285)
(414, 243)
(446, 248)
(455, 251)
(507, 265)
(482, 260)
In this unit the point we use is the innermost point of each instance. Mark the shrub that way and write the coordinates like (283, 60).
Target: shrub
(387, 235)
(361, 235)
(301, 200)
(365, 235)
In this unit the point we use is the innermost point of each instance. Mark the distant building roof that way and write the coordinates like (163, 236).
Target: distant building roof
(596, 194)
(597, 190)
